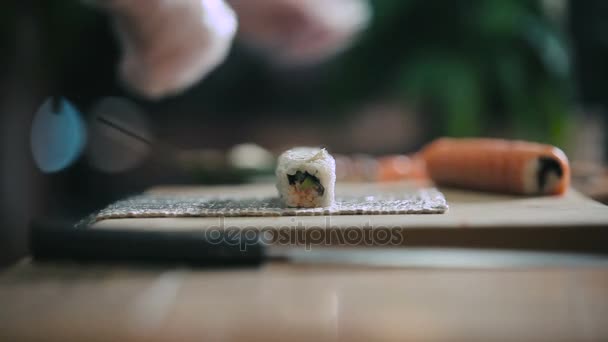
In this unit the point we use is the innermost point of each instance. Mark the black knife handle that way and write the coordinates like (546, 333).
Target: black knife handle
(52, 241)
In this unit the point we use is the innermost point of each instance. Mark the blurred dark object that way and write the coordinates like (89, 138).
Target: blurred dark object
(589, 28)
(49, 48)
(53, 241)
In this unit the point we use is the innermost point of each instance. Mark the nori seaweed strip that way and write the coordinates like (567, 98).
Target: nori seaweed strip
(300, 177)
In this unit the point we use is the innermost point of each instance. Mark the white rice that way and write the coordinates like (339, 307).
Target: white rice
(314, 161)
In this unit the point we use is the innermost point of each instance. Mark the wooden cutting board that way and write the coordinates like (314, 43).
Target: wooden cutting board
(474, 219)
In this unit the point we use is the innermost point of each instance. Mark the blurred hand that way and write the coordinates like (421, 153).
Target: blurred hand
(300, 31)
(168, 45)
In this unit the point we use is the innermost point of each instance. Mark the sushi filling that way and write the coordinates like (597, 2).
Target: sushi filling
(306, 189)
(305, 181)
(549, 174)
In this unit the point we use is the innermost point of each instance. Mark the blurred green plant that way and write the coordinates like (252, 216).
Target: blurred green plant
(474, 66)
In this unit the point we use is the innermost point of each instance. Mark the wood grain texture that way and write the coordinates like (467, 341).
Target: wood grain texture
(55, 302)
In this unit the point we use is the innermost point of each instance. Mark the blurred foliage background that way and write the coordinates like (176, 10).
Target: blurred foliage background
(476, 66)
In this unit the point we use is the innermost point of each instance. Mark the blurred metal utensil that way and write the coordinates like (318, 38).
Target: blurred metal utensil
(120, 135)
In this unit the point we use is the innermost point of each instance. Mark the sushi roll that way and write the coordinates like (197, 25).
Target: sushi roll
(306, 178)
(516, 167)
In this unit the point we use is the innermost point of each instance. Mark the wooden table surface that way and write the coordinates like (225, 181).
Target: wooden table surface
(281, 301)
(59, 302)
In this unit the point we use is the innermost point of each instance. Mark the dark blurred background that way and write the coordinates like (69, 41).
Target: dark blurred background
(524, 69)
